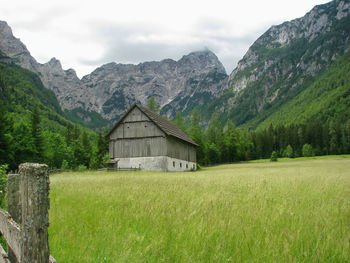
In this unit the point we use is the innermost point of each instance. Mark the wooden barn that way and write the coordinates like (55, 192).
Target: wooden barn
(145, 140)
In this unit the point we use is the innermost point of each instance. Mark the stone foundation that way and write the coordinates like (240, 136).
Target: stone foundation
(157, 163)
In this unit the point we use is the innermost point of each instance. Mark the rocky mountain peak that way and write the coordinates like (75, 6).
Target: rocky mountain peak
(202, 59)
(14, 48)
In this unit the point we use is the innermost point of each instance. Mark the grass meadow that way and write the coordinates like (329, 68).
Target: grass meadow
(251, 212)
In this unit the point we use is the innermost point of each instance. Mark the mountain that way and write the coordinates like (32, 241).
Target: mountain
(176, 85)
(283, 62)
(110, 89)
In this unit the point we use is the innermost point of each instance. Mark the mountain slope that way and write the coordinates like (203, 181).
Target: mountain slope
(328, 98)
(284, 61)
(22, 90)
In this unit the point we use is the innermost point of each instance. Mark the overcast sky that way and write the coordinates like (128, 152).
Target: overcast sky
(85, 34)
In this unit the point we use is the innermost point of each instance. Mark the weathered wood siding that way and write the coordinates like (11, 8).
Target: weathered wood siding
(136, 125)
(180, 150)
(142, 147)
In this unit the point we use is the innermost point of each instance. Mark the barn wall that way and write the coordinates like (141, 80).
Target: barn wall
(180, 150)
(136, 124)
(153, 146)
(136, 115)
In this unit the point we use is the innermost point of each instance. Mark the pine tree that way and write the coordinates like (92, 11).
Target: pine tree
(152, 105)
(197, 135)
(87, 149)
(5, 138)
(179, 121)
(37, 137)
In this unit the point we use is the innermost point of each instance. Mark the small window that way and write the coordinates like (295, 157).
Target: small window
(180, 164)
(173, 164)
(186, 165)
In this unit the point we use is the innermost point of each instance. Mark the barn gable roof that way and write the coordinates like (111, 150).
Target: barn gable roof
(165, 125)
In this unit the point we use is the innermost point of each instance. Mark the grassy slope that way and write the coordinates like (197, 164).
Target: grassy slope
(327, 98)
(260, 212)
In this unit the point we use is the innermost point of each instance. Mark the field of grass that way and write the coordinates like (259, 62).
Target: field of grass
(254, 212)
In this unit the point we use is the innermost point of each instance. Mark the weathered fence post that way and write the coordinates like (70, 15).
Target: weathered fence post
(35, 218)
(14, 206)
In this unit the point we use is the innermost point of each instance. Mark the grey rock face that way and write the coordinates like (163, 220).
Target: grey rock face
(114, 87)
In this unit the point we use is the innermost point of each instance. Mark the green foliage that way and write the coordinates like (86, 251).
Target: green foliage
(81, 168)
(274, 156)
(288, 152)
(152, 105)
(65, 165)
(89, 119)
(32, 128)
(5, 136)
(307, 150)
(37, 136)
(180, 121)
(3, 181)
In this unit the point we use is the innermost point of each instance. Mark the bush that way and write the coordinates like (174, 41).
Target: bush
(82, 167)
(273, 156)
(307, 150)
(65, 165)
(3, 181)
(288, 152)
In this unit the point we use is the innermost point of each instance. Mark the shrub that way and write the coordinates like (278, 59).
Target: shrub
(65, 165)
(288, 152)
(307, 150)
(82, 167)
(3, 181)
(273, 156)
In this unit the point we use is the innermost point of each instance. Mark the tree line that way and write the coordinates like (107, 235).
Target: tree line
(24, 141)
(227, 143)
(27, 141)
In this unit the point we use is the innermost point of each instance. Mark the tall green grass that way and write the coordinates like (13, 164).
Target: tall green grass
(257, 212)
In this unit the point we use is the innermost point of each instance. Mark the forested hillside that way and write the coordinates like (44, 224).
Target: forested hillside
(33, 128)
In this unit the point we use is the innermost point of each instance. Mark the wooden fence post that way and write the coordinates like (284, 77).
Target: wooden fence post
(35, 218)
(14, 206)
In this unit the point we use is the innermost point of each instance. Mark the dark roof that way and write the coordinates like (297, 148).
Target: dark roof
(165, 125)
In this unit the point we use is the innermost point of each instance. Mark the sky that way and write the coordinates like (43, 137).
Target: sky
(85, 34)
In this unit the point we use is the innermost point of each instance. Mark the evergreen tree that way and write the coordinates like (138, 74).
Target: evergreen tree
(152, 105)
(37, 137)
(69, 135)
(87, 149)
(5, 138)
(308, 150)
(197, 135)
(179, 121)
(23, 147)
(289, 151)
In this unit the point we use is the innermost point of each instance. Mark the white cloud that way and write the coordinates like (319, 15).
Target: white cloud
(86, 34)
